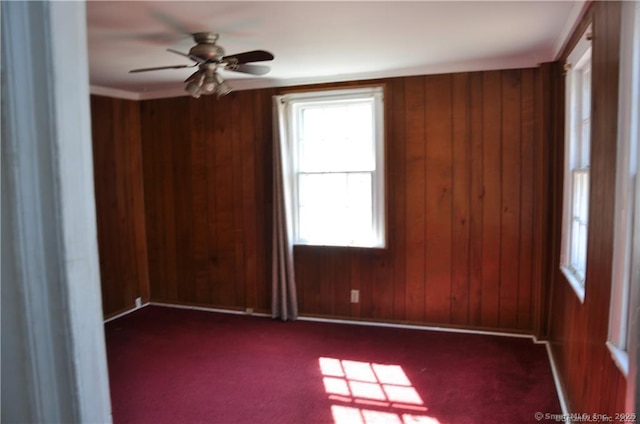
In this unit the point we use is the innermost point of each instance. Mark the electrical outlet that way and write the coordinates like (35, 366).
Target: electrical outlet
(249, 311)
(138, 302)
(355, 296)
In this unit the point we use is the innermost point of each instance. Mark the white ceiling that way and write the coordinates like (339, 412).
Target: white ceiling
(322, 41)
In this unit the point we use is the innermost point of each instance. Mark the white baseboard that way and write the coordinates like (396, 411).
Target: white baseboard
(207, 309)
(127, 312)
(416, 327)
(556, 380)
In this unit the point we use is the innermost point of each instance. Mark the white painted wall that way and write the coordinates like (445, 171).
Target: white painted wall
(53, 351)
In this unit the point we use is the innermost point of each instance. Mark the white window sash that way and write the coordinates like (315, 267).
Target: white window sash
(577, 151)
(297, 101)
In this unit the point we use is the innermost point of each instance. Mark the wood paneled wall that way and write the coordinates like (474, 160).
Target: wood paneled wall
(117, 168)
(461, 192)
(463, 201)
(207, 179)
(578, 331)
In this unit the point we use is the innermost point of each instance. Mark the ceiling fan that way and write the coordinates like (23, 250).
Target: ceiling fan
(209, 57)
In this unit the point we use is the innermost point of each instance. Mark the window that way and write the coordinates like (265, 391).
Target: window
(626, 189)
(336, 145)
(575, 221)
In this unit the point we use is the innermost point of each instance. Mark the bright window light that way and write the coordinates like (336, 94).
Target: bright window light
(338, 167)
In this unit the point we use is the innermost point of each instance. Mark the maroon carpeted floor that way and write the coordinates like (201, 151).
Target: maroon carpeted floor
(183, 366)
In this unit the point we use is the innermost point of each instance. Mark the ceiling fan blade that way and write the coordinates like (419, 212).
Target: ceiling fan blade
(194, 58)
(252, 56)
(192, 76)
(170, 22)
(160, 68)
(249, 69)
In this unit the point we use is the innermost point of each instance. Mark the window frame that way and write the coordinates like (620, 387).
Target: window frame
(295, 102)
(576, 156)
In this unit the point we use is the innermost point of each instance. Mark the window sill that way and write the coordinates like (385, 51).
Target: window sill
(305, 246)
(577, 286)
(620, 357)
(381, 245)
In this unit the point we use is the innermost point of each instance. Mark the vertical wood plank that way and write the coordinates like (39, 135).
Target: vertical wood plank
(312, 290)
(168, 199)
(415, 221)
(510, 199)
(341, 281)
(327, 281)
(476, 196)
(397, 146)
(121, 175)
(181, 203)
(102, 134)
(249, 206)
(491, 200)
(225, 255)
(238, 110)
(527, 204)
(213, 220)
(138, 209)
(355, 275)
(263, 195)
(382, 287)
(461, 219)
(438, 210)
(200, 201)
(366, 284)
(151, 153)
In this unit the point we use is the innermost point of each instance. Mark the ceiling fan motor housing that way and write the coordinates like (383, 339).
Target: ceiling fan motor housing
(206, 47)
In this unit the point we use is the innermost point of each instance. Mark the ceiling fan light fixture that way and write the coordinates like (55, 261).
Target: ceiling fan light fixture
(223, 88)
(195, 94)
(209, 88)
(194, 87)
(210, 84)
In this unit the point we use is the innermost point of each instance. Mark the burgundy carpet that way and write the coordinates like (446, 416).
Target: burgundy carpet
(183, 366)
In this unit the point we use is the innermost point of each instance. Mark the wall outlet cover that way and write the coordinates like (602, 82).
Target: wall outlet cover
(355, 296)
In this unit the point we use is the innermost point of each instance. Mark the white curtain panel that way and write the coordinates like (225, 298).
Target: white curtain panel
(284, 304)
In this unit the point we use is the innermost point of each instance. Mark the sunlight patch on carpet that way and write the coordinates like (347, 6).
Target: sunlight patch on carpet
(369, 393)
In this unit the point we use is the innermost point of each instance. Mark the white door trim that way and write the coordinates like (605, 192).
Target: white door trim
(54, 356)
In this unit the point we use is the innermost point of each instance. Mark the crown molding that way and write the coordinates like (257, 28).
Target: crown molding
(113, 92)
